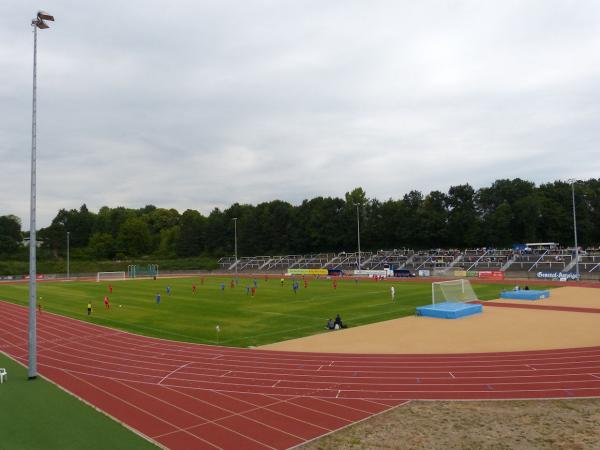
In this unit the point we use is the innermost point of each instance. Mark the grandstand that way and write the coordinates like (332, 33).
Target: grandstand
(438, 261)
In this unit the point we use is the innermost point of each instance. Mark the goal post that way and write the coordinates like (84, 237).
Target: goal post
(452, 291)
(138, 270)
(110, 276)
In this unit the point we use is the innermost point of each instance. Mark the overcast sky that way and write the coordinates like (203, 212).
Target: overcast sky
(198, 104)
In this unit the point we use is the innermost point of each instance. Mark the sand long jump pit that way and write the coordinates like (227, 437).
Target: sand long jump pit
(495, 330)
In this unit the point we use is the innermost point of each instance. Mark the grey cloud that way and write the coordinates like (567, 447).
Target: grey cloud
(199, 104)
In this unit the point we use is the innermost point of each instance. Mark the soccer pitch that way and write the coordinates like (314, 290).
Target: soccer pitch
(274, 314)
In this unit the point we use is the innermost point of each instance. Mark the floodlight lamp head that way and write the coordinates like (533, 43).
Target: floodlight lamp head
(43, 15)
(39, 21)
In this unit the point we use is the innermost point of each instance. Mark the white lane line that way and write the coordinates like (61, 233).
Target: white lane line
(133, 405)
(215, 422)
(389, 408)
(173, 371)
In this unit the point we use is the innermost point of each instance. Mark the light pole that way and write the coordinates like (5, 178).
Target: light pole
(36, 23)
(572, 181)
(358, 233)
(68, 259)
(235, 245)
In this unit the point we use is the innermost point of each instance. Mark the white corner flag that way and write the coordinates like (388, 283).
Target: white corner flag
(218, 328)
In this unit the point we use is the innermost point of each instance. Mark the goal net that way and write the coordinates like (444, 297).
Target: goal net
(453, 291)
(110, 276)
(138, 270)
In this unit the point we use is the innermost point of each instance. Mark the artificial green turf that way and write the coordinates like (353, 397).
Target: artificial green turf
(273, 315)
(35, 414)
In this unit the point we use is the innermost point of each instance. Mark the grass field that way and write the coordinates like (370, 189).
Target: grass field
(273, 315)
(37, 414)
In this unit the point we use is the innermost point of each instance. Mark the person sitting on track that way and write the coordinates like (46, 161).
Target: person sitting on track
(526, 287)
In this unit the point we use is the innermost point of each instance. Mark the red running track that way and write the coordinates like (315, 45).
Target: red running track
(190, 396)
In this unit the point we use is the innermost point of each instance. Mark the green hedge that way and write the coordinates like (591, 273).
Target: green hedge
(11, 267)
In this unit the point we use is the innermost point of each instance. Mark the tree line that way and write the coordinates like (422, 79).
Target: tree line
(507, 212)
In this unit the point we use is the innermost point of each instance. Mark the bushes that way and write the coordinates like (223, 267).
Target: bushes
(59, 266)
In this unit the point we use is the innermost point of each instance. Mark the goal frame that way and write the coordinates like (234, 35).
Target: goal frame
(433, 284)
(123, 275)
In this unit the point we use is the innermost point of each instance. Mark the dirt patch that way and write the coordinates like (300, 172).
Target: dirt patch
(548, 424)
(495, 330)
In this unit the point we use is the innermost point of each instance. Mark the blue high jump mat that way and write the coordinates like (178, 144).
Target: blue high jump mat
(525, 295)
(449, 310)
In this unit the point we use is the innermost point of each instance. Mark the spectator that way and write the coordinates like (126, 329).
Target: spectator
(338, 322)
(330, 324)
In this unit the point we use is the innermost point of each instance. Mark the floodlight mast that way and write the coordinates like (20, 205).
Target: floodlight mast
(358, 233)
(235, 245)
(573, 181)
(68, 256)
(36, 23)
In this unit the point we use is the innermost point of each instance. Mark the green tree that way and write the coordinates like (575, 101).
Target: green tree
(102, 246)
(134, 237)
(10, 234)
(191, 234)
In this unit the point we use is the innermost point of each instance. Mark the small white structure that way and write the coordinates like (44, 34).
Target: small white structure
(3, 375)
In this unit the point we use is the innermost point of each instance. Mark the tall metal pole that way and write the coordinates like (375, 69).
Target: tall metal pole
(358, 233)
(235, 245)
(575, 229)
(32, 371)
(38, 22)
(68, 258)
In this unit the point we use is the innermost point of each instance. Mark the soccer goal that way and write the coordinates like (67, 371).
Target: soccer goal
(110, 276)
(453, 291)
(137, 270)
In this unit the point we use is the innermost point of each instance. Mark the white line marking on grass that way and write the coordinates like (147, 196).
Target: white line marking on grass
(173, 371)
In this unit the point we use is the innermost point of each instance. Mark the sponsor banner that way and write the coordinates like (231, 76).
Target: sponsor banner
(307, 272)
(424, 273)
(491, 275)
(562, 276)
(460, 273)
(371, 273)
(37, 277)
